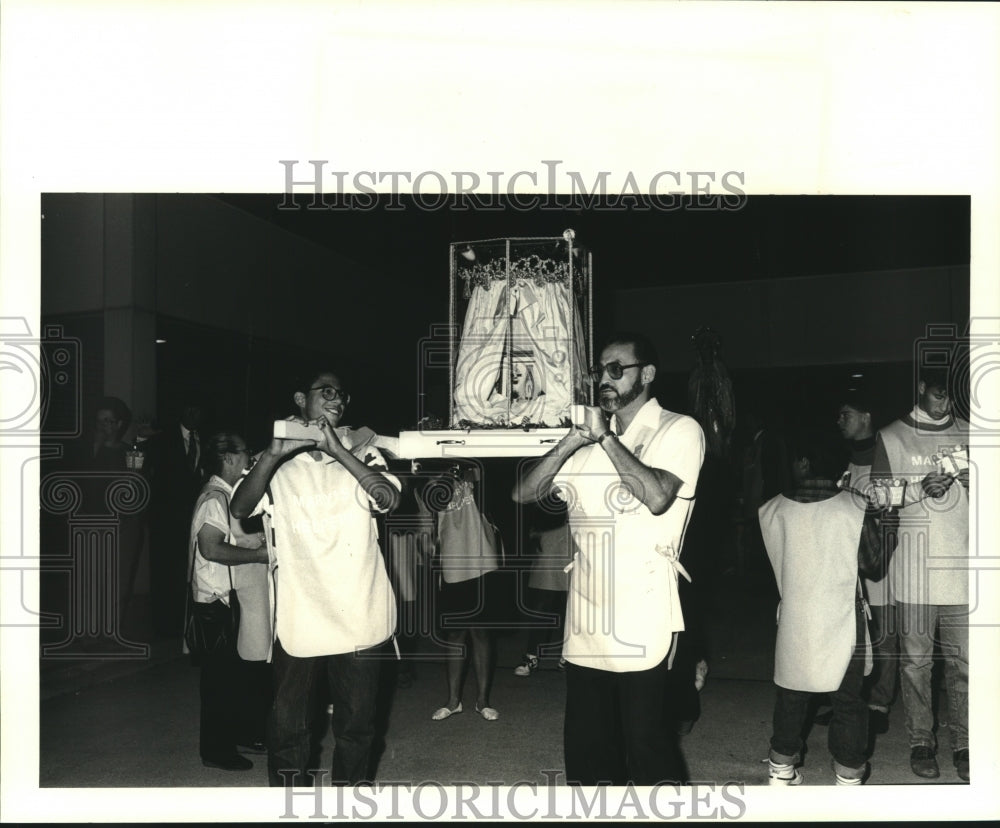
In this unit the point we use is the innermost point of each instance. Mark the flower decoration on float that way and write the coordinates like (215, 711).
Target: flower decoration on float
(531, 268)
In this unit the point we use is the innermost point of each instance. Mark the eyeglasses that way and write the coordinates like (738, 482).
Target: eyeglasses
(330, 393)
(615, 370)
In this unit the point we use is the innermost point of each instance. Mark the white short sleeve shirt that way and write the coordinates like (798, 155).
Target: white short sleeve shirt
(331, 593)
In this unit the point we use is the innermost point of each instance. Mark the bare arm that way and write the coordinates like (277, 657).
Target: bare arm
(655, 488)
(213, 547)
(536, 483)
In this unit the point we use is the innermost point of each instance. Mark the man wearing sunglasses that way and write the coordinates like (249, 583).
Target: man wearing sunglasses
(628, 473)
(334, 606)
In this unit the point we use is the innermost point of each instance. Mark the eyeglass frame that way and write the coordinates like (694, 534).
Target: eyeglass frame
(339, 393)
(596, 372)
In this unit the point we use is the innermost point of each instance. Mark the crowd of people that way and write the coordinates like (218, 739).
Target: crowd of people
(327, 600)
(865, 609)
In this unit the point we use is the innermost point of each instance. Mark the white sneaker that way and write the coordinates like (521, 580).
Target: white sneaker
(782, 774)
(850, 780)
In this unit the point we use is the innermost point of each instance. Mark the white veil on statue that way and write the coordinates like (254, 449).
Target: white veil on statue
(521, 358)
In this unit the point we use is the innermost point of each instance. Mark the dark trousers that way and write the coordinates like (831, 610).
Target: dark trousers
(545, 636)
(352, 683)
(255, 696)
(235, 699)
(220, 716)
(615, 730)
(848, 732)
(881, 684)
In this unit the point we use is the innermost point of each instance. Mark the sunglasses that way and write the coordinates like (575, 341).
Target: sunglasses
(615, 370)
(329, 393)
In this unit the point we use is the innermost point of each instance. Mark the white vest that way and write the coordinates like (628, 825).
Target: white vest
(813, 549)
(931, 530)
(622, 605)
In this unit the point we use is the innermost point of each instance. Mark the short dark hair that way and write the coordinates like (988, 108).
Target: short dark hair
(934, 376)
(821, 447)
(645, 351)
(858, 399)
(218, 446)
(304, 378)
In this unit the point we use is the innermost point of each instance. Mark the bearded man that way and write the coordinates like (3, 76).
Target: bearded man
(628, 473)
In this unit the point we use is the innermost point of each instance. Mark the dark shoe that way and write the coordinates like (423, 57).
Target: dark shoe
(229, 763)
(823, 719)
(923, 763)
(878, 721)
(527, 667)
(961, 758)
(257, 746)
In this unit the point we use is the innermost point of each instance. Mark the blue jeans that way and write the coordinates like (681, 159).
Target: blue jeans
(353, 684)
(848, 732)
(881, 684)
(920, 626)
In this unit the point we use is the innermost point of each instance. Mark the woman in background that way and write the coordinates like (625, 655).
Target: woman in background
(214, 551)
(467, 548)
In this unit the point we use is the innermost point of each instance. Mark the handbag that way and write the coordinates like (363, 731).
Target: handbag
(213, 628)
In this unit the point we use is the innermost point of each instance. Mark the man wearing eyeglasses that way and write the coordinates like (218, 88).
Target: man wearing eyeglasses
(334, 606)
(628, 474)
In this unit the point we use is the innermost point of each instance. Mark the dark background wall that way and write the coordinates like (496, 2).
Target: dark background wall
(803, 291)
(221, 298)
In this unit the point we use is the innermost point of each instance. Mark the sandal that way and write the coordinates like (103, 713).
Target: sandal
(488, 713)
(443, 713)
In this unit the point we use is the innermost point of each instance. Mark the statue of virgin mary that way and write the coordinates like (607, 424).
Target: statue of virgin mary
(521, 357)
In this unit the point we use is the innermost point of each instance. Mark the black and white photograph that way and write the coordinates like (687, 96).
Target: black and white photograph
(437, 440)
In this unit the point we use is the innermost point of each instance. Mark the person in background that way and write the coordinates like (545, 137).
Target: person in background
(467, 552)
(551, 544)
(410, 532)
(104, 451)
(214, 552)
(255, 637)
(928, 450)
(821, 644)
(854, 419)
(174, 467)
(106, 448)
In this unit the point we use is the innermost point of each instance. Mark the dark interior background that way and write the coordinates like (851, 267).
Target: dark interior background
(367, 290)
